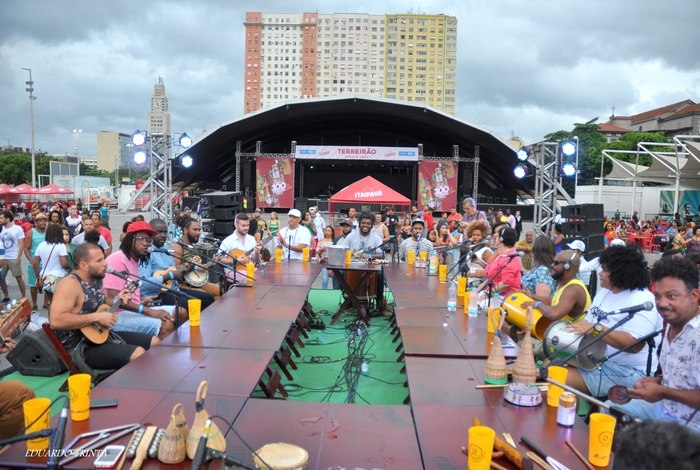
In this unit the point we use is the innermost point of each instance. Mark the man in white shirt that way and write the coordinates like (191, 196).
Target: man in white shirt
(293, 238)
(12, 237)
(89, 225)
(319, 223)
(239, 247)
(364, 238)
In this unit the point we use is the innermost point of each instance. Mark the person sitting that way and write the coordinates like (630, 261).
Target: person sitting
(13, 394)
(184, 253)
(503, 270)
(365, 240)
(294, 238)
(75, 305)
(476, 232)
(538, 283)
(239, 248)
(416, 242)
(651, 445)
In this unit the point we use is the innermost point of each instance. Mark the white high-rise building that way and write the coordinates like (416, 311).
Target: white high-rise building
(158, 116)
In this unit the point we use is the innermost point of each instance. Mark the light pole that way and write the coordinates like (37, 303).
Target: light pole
(30, 90)
(77, 142)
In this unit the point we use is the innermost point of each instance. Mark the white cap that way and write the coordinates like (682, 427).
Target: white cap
(294, 213)
(618, 242)
(577, 245)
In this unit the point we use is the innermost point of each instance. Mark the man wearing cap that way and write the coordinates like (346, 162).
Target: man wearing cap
(32, 240)
(235, 248)
(585, 267)
(294, 238)
(346, 229)
(416, 243)
(138, 315)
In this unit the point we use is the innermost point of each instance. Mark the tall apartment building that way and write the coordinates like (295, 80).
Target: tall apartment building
(158, 116)
(113, 150)
(303, 55)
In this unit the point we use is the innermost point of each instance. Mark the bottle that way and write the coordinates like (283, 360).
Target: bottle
(566, 413)
(452, 297)
(364, 368)
(473, 304)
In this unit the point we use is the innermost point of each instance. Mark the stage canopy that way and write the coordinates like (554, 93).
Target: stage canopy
(369, 191)
(54, 189)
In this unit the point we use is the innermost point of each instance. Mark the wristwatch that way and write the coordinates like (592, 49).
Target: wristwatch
(597, 329)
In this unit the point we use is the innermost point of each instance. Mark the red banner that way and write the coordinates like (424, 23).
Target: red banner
(437, 184)
(274, 182)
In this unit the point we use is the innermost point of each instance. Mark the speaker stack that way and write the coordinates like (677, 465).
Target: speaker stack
(219, 210)
(585, 222)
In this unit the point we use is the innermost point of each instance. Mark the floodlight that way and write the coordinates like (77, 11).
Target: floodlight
(186, 161)
(138, 138)
(185, 140)
(520, 171)
(568, 148)
(522, 155)
(140, 157)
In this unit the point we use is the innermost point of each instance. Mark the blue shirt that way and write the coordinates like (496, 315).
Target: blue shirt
(156, 262)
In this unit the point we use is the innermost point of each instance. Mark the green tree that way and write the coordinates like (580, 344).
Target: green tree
(92, 171)
(629, 141)
(16, 168)
(588, 140)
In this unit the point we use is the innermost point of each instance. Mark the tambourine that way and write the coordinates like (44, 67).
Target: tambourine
(522, 394)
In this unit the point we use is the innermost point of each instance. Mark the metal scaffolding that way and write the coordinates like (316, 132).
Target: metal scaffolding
(546, 158)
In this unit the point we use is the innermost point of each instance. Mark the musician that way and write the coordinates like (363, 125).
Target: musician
(75, 305)
(676, 395)
(239, 248)
(13, 394)
(624, 282)
(139, 315)
(164, 264)
(365, 238)
(416, 243)
(294, 238)
(503, 269)
(191, 232)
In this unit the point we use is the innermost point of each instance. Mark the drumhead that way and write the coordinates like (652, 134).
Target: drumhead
(282, 456)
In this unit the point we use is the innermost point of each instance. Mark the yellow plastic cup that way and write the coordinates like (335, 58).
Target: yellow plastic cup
(423, 255)
(559, 374)
(79, 392)
(411, 257)
(442, 274)
(37, 409)
(348, 256)
(305, 254)
(480, 447)
(466, 297)
(601, 430)
(493, 319)
(461, 286)
(278, 254)
(250, 272)
(194, 309)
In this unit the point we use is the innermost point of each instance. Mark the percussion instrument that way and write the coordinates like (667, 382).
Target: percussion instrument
(196, 277)
(515, 314)
(368, 287)
(16, 318)
(561, 343)
(522, 394)
(281, 456)
(619, 395)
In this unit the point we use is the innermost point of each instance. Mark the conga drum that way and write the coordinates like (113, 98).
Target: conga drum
(515, 314)
(561, 343)
(281, 456)
(364, 289)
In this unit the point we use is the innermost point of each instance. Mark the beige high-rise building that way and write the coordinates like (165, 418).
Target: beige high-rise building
(113, 150)
(290, 56)
(158, 116)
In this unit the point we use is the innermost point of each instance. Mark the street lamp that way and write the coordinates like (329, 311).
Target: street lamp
(30, 90)
(77, 142)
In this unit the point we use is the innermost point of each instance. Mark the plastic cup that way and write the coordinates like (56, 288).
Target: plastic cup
(79, 392)
(480, 447)
(411, 257)
(250, 272)
(600, 438)
(494, 318)
(466, 297)
(461, 286)
(423, 255)
(348, 257)
(442, 275)
(559, 374)
(278, 254)
(37, 409)
(194, 309)
(305, 254)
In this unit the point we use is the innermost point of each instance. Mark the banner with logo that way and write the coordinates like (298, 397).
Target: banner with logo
(274, 182)
(344, 152)
(437, 184)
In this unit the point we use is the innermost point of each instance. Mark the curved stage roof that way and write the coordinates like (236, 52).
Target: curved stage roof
(349, 121)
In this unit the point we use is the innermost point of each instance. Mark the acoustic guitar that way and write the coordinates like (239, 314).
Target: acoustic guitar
(97, 333)
(169, 282)
(237, 252)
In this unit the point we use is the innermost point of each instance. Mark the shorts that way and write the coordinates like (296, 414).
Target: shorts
(13, 266)
(139, 323)
(602, 378)
(115, 355)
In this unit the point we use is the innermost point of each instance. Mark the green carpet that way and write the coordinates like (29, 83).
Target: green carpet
(44, 387)
(327, 371)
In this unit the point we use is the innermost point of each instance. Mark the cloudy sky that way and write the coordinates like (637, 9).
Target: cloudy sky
(526, 67)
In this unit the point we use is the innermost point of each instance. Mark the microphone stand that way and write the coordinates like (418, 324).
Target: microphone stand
(489, 281)
(218, 263)
(463, 257)
(126, 275)
(228, 461)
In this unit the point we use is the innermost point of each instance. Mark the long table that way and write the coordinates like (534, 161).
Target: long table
(444, 357)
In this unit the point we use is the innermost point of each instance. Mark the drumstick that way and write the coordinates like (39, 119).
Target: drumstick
(497, 466)
(536, 458)
(579, 455)
(511, 453)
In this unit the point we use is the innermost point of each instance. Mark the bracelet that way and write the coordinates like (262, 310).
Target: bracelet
(538, 303)
(140, 309)
(116, 298)
(172, 276)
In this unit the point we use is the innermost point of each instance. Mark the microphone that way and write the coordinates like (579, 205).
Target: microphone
(58, 439)
(181, 243)
(152, 249)
(201, 452)
(120, 274)
(211, 239)
(635, 309)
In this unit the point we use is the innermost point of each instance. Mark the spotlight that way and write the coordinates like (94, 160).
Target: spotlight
(520, 171)
(185, 140)
(522, 155)
(138, 138)
(569, 157)
(140, 157)
(186, 161)
(568, 169)
(568, 148)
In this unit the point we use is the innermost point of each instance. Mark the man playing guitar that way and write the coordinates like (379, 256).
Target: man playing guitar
(239, 248)
(191, 231)
(75, 306)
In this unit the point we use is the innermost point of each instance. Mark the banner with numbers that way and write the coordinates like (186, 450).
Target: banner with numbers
(437, 184)
(274, 182)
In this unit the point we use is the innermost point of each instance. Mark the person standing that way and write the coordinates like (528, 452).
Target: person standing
(518, 224)
(12, 237)
(293, 238)
(525, 245)
(104, 231)
(104, 215)
(318, 221)
(32, 240)
(50, 261)
(471, 213)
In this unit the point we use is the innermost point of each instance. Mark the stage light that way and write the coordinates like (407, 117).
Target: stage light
(139, 157)
(185, 140)
(138, 138)
(568, 148)
(186, 161)
(569, 157)
(520, 171)
(522, 155)
(568, 169)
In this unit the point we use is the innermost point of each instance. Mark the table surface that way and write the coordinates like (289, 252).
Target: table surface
(444, 357)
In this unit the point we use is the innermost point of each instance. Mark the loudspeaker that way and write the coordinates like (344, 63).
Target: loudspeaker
(193, 202)
(301, 203)
(35, 355)
(582, 228)
(225, 213)
(223, 228)
(583, 211)
(224, 198)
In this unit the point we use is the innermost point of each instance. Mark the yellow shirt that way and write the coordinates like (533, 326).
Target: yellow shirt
(557, 296)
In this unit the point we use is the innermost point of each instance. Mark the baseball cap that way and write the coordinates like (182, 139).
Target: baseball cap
(417, 221)
(577, 245)
(140, 226)
(40, 215)
(617, 242)
(294, 213)
(346, 222)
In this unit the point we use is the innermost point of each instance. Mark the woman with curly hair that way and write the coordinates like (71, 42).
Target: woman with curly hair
(476, 232)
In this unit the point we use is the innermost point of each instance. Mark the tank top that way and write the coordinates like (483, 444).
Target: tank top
(93, 297)
(37, 237)
(557, 296)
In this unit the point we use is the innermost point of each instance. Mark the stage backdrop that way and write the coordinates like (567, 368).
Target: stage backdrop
(437, 184)
(274, 182)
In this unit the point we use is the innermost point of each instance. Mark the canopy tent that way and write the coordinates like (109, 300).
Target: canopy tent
(53, 189)
(22, 189)
(369, 191)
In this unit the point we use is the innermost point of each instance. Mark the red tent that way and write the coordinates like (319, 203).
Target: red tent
(369, 191)
(23, 189)
(5, 188)
(54, 189)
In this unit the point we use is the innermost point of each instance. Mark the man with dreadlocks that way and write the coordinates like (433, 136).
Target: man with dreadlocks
(139, 314)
